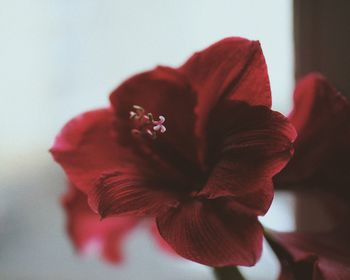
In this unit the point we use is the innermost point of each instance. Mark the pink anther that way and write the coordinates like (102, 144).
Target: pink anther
(159, 125)
(145, 125)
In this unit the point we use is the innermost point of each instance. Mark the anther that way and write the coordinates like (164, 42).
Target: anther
(159, 125)
(146, 125)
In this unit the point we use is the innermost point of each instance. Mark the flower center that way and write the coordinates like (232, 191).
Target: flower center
(145, 123)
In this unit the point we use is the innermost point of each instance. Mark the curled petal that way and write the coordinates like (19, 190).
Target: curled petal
(86, 148)
(121, 193)
(233, 68)
(255, 203)
(160, 240)
(245, 151)
(87, 231)
(210, 233)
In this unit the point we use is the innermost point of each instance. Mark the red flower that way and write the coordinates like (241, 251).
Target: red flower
(313, 256)
(321, 116)
(207, 175)
(321, 160)
(89, 233)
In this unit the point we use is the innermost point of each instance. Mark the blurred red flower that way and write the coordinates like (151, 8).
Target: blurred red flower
(321, 116)
(195, 146)
(313, 255)
(90, 234)
(321, 162)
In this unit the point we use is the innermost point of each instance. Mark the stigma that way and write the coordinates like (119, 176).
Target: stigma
(145, 124)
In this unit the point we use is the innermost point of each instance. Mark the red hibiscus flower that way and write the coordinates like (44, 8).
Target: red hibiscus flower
(196, 147)
(321, 116)
(91, 234)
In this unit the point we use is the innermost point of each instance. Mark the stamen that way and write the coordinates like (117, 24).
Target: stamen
(159, 125)
(146, 125)
(138, 108)
(132, 114)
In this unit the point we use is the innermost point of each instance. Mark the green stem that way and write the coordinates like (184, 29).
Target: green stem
(228, 273)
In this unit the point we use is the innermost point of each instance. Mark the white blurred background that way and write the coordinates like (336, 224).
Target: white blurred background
(61, 57)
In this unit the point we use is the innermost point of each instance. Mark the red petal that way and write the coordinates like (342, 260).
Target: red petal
(314, 256)
(162, 91)
(85, 148)
(232, 68)
(109, 173)
(122, 192)
(160, 240)
(255, 203)
(87, 231)
(246, 151)
(322, 151)
(210, 233)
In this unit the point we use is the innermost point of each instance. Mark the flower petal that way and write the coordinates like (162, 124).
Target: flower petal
(322, 151)
(110, 174)
(86, 148)
(208, 232)
(124, 193)
(160, 240)
(314, 256)
(233, 68)
(87, 231)
(245, 152)
(162, 92)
